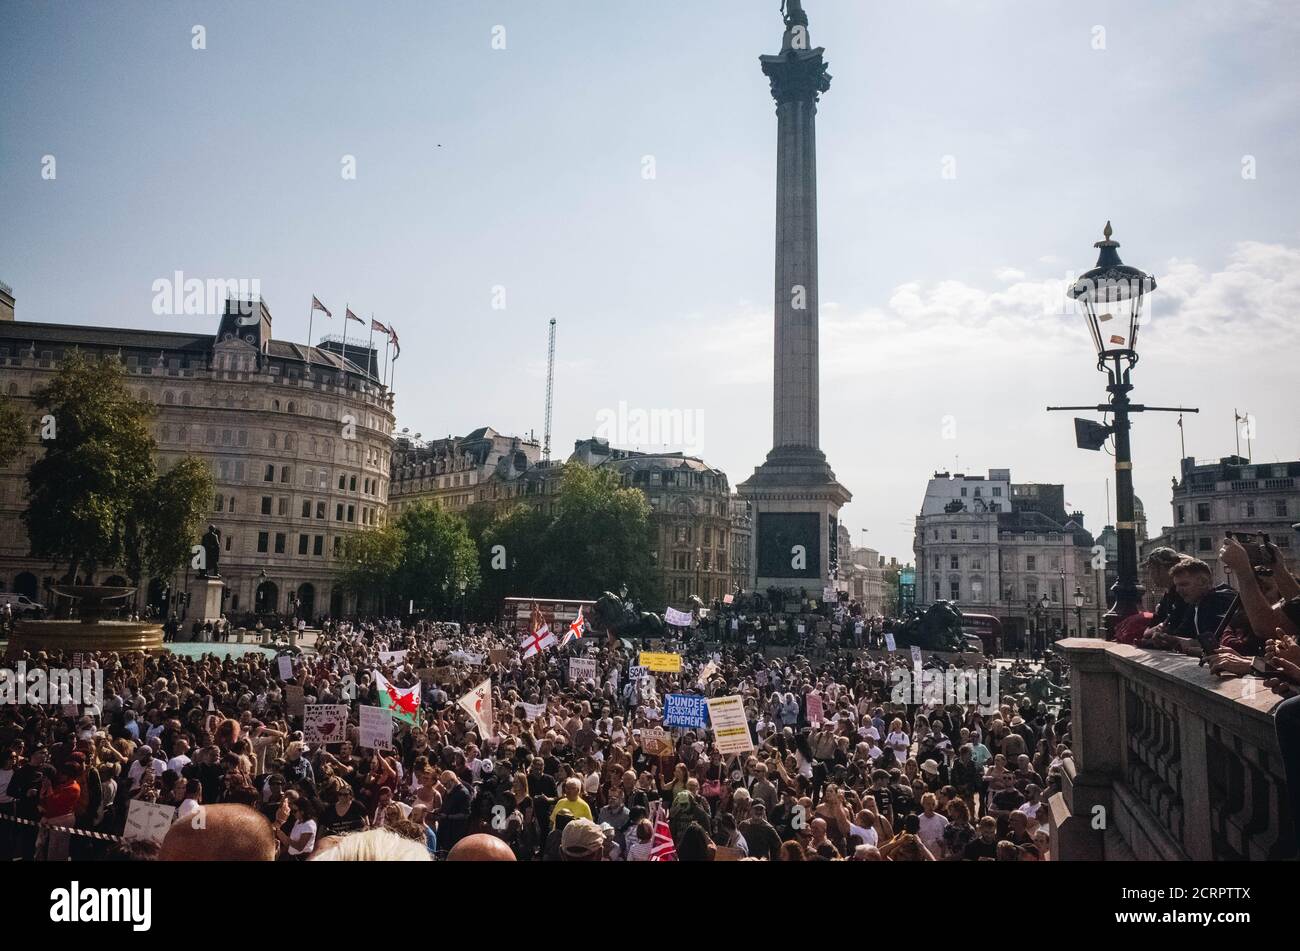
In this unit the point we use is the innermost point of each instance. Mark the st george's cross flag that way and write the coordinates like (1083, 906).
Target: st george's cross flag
(541, 636)
(403, 702)
(478, 704)
(575, 629)
(317, 305)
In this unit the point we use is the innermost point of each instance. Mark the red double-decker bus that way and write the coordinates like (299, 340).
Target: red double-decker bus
(559, 612)
(987, 628)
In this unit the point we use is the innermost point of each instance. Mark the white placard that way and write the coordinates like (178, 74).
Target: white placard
(916, 655)
(889, 642)
(730, 725)
(533, 710)
(392, 658)
(583, 668)
(677, 618)
(286, 666)
(148, 821)
(376, 728)
(325, 722)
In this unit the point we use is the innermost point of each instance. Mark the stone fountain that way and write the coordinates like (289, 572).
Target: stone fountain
(89, 631)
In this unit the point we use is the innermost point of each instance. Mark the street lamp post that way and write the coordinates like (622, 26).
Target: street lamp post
(1078, 608)
(699, 557)
(1111, 297)
(1044, 606)
(1065, 624)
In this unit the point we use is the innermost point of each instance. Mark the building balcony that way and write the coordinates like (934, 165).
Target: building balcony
(1170, 761)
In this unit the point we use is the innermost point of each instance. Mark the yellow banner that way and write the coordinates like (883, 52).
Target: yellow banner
(661, 663)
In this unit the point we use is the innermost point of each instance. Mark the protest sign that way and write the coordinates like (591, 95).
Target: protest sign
(708, 671)
(293, 700)
(325, 722)
(916, 655)
(534, 710)
(815, 711)
(660, 662)
(148, 821)
(392, 658)
(685, 710)
(730, 725)
(636, 672)
(889, 642)
(285, 663)
(582, 668)
(376, 728)
(499, 656)
(657, 741)
(677, 618)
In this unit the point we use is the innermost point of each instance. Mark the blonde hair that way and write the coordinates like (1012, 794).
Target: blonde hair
(374, 845)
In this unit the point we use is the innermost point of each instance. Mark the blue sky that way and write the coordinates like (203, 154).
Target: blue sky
(523, 168)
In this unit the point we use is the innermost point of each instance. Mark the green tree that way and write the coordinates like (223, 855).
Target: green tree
(170, 519)
(599, 538)
(371, 561)
(439, 561)
(96, 468)
(13, 430)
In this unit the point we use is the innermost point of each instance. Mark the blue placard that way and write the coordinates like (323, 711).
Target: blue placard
(686, 710)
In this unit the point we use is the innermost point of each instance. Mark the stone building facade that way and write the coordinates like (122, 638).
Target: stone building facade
(702, 530)
(997, 547)
(1232, 494)
(299, 443)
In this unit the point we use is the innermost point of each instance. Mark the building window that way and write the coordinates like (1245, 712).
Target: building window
(284, 474)
(1279, 508)
(351, 514)
(938, 563)
(1250, 510)
(303, 542)
(954, 590)
(320, 510)
(269, 476)
(279, 543)
(283, 507)
(997, 492)
(1031, 563)
(1182, 514)
(1202, 544)
(338, 512)
(318, 545)
(952, 562)
(306, 508)
(262, 538)
(963, 491)
(266, 505)
(952, 534)
(977, 564)
(1202, 511)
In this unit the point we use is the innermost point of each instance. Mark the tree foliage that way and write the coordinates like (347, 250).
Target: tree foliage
(96, 469)
(599, 537)
(439, 563)
(171, 518)
(371, 560)
(13, 430)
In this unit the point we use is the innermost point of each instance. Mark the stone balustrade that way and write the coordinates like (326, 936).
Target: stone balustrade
(1170, 761)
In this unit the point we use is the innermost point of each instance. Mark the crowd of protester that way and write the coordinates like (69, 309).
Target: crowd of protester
(877, 776)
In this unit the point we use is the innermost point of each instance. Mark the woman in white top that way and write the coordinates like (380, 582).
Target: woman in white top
(898, 741)
(300, 840)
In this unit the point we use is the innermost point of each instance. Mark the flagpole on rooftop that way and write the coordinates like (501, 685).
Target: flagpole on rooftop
(370, 346)
(311, 314)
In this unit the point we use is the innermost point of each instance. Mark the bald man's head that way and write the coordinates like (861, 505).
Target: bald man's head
(222, 832)
(480, 848)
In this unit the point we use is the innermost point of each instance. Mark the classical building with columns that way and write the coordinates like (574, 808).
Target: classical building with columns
(794, 496)
(299, 442)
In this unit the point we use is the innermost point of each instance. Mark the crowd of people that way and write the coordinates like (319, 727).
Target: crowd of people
(842, 766)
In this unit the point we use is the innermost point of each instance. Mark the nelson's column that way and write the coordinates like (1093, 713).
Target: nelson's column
(794, 495)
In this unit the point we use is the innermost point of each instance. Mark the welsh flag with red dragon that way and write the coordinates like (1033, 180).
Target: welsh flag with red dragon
(402, 702)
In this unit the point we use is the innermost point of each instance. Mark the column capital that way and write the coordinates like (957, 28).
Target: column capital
(797, 75)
